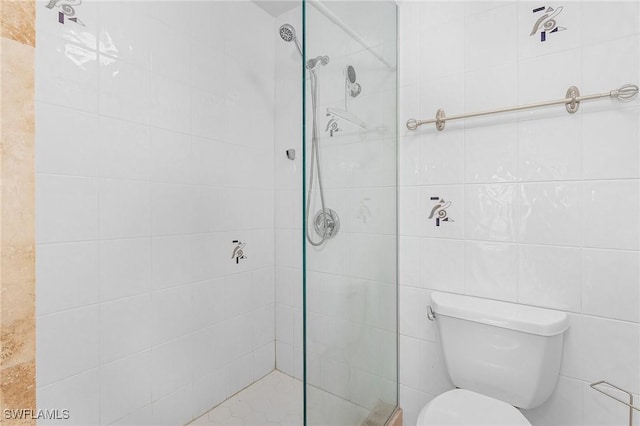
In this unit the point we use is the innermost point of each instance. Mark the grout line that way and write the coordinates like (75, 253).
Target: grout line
(519, 243)
(528, 182)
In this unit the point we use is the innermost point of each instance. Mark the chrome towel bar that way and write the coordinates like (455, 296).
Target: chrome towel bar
(571, 100)
(628, 404)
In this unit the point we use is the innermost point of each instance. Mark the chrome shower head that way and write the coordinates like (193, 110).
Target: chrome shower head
(287, 32)
(322, 60)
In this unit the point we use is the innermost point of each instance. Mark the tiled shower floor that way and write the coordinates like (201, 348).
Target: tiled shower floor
(275, 399)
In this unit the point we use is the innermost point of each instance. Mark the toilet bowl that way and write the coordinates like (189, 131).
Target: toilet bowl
(499, 355)
(463, 407)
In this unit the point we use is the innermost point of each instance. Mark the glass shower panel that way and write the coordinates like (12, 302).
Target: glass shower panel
(351, 244)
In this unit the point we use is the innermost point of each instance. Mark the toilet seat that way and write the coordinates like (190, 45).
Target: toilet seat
(460, 407)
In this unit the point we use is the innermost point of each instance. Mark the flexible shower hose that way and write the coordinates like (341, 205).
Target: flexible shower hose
(315, 161)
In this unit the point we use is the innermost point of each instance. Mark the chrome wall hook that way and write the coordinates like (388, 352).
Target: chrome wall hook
(291, 154)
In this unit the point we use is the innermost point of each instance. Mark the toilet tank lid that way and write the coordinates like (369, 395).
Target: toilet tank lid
(528, 319)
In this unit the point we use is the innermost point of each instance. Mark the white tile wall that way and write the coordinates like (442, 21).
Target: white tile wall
(550, 276)
(490, 270)
(125, 386)
(146, 172)
(125, 327)
(550, 213)
(67, 153)
(80, 394)
(124, 149)
(159, 168)
(125, 268)
(73, 82)
(67, 276)
(288, 202)
(125, 209)
(609, 288)
(78, 328)
(123, 90)
(68, 209)
(490, 154)
(541, 157)
(545, 203)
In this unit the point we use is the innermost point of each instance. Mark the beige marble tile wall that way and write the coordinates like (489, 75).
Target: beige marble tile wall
(17, 236)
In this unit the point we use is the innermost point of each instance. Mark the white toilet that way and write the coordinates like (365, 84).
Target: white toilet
(499, 355)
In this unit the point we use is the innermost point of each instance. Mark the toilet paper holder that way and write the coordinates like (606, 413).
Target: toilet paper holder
(629, 404)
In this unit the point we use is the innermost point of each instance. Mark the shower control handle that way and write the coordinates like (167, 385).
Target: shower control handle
(326, 223)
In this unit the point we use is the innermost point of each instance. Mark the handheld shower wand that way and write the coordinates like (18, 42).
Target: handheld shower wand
(288, 33)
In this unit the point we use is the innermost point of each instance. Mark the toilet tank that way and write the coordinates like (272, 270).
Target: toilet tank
(507, 351)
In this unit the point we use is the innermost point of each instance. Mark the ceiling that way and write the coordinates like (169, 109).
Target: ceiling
(277, 7)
